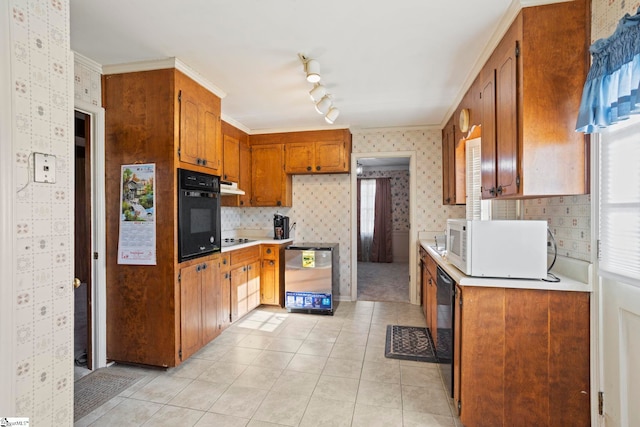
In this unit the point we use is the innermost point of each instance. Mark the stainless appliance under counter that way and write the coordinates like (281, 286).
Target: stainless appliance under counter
(311, 277)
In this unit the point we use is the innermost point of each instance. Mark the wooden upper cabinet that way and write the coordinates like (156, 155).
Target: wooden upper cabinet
(448, 164)
(236, 164)
(530, 97)
(327, 156)
(231, 169)
(270, 185)
(245, 175)
(200, 140)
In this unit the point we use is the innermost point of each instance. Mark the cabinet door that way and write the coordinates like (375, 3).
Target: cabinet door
(253, 285)
(212, 145)
(424, 282)
(299, 157)
(448, 164)
(268, 282)
(457, 345)
(245, 175)
(231, 170)
(190, 116)
(507, 121)
(330, 157)
(224, 303)
(488, 144)
(270, 185)
(190, 310)
(433, 308)
(238, 292)
(210, 277)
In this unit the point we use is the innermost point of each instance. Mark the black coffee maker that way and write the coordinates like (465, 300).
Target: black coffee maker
(280, 227)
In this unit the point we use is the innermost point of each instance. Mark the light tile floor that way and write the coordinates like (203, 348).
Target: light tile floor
(273, 368)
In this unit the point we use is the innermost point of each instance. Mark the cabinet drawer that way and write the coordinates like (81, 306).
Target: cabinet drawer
(245, 255)
(269, 252)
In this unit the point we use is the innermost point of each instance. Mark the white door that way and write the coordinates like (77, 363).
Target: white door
(618, 222)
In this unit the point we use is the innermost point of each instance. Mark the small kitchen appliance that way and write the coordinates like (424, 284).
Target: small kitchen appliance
(280, 227)
(514, 249)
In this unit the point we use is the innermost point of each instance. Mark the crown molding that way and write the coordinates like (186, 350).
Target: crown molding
(86, 62)
(160, 64)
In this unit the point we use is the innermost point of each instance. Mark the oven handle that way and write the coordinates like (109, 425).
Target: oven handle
(204, 194)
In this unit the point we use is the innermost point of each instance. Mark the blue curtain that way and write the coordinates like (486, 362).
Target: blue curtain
(611, 91)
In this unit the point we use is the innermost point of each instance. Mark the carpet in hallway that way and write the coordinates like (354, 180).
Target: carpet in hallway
(383, 281)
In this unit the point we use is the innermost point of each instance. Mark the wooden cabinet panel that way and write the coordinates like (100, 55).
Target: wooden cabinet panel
(331, 156)
(244, 281)
(199, 111)
(270, 185)
(272, 275)
(448, 164)
(211, 326)
(231, 170)
(524, 357)
(253, 285)
(190, 310)
(245, 175)
(300, 157)
(529, 146)
(199, 293)
(224, 307)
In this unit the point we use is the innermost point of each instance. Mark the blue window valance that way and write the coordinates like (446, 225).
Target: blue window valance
(611, 91)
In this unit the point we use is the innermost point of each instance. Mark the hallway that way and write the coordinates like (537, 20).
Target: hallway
(383, 281)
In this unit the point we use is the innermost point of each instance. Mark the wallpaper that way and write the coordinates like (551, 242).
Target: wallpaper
(41, 71)
(322, 203)
(399, 180)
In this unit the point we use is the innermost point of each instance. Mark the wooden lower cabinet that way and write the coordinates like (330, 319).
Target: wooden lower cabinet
(272, 277)
(199, 292)
(244, 280)
(523, 357)
(428, 271)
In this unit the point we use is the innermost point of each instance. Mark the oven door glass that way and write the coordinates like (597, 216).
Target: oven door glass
(199, 224)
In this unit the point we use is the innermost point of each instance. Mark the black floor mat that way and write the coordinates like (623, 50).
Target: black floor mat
(97, 388)
(409, 343)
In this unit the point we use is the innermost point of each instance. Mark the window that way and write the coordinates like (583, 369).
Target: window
(620, 202)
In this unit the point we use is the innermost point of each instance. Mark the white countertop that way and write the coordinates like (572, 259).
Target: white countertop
(580, 272)
(265, 241)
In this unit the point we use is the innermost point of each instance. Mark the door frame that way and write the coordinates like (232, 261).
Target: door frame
(98, 233)
(414, 294)
(7, 234)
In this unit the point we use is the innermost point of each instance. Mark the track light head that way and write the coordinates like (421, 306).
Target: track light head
(332, 115)
(317, 92)
(323, 106)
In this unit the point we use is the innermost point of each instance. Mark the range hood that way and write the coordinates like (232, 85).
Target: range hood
(227, 187)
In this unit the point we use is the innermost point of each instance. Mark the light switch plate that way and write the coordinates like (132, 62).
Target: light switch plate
(45, 168)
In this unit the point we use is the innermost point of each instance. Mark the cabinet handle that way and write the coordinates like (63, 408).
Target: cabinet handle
(249, 268)
(318, 168)
(199, 161)
(308, 168)
(241, 202)
(204, 161)
(224, 261)
(226, 275)
(279, 203)
(225, 176)
(499, 190)
(244, 268)
(198, 268)
(204, 266)
(268, 250)
(492, 191)
(272, 263)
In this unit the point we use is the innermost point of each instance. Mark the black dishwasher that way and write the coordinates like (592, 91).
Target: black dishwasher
(444, 347)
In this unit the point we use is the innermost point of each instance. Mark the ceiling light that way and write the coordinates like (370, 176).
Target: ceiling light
(323, 105)
(332, 115)
(317, 92)
(312, 67)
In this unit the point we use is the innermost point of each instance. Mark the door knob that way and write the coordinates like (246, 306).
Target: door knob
(76, 283)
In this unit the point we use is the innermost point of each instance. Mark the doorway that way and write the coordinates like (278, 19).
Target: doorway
(82, 337)
(383, 265)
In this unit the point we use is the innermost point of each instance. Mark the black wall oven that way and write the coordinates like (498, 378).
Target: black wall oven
(198, 214)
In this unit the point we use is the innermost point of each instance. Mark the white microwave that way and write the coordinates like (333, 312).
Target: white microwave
(504, 248)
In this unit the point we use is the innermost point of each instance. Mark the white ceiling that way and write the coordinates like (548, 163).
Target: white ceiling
(387, 63)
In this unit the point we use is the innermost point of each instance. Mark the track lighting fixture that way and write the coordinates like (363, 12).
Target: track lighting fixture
(318, 94)
(332, 115)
